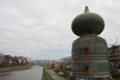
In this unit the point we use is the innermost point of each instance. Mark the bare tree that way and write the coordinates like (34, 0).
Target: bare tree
(113, 51)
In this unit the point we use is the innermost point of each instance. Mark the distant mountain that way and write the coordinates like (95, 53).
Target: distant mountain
(67, 58)
(44, 60)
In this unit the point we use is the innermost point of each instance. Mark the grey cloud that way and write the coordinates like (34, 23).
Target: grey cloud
(29, 27)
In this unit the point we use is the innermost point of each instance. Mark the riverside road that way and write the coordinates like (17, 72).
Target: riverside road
(32, 74)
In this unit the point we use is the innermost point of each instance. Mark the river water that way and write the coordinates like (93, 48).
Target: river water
(32, 74)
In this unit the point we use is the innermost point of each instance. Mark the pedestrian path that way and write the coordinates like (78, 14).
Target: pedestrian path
(56, 75)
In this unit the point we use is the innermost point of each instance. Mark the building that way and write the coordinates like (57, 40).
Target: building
(22, 60)
(2, 58)
(114, 57)
(29, 60)
(19, 60)
(8, 59)
(15, 60)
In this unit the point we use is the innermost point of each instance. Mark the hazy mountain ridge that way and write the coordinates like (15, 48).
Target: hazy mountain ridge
(67, 58)
(45, 60)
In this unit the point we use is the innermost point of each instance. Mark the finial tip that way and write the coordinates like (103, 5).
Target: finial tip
(86, 9)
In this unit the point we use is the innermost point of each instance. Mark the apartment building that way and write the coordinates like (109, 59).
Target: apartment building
(8, 59)
(2, 58)
(114, 57)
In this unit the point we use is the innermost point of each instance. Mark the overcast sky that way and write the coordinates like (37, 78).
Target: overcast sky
(41, 29)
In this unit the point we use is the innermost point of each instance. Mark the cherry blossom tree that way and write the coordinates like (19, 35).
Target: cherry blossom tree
(60, 63)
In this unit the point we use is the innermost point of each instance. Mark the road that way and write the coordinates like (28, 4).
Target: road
(32, 74)
(58, 77)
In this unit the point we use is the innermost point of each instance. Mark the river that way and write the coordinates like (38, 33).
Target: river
(32, 74)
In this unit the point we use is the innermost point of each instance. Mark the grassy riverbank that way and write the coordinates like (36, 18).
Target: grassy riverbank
(116, 78)
(16, 68)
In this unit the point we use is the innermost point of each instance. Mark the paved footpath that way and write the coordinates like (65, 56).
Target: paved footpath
(57, 76)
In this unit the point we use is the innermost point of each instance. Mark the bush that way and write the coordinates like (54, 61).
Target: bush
(64, 68)
(112, 71)
(60, 73)
(115, 74)
(66, 74)
(57, 70)
(69, 67)
(1, 64)
(47, 68)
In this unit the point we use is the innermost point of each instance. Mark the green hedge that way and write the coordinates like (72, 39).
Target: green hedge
(115, 74)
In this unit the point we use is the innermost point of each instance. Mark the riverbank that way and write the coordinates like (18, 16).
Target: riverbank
(16, 68)
(31, 74)
(48, 72)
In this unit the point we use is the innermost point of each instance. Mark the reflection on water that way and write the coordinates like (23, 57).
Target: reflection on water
(32, 74)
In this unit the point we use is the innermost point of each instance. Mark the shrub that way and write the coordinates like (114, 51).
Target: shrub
(1, 64)
(69, 67)
(47, 68)
(115, 74)
(60, 73)
(112, 71)
(66, 74)
(64, 68)
(57, 70)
